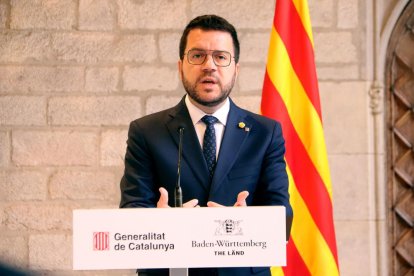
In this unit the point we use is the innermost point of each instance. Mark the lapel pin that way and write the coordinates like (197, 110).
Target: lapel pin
(242, 125)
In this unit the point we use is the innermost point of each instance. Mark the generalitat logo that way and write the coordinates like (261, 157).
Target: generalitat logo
(228, 227)
(100, 241)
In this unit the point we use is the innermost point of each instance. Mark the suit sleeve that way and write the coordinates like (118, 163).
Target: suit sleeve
(273, 186)
(137, 184)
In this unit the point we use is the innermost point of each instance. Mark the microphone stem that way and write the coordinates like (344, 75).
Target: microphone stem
(178, 193)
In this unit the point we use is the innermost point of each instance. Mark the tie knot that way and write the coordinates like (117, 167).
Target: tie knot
(209, 120)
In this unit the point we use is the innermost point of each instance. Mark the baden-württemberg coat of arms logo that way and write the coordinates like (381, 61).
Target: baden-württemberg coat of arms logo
(228, 227)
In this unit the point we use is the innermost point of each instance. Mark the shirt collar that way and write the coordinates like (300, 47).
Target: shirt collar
(196, 114)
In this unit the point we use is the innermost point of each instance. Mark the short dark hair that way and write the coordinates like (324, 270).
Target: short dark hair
(209, 23)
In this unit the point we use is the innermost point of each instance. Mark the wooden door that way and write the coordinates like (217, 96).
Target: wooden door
(400, 143)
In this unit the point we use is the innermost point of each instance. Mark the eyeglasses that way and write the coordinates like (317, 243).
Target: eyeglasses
(198, 57)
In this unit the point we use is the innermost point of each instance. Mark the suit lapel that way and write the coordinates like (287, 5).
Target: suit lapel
(192, 152)
(233, 139)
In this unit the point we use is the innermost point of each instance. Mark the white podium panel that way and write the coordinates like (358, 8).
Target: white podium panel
(179, 237)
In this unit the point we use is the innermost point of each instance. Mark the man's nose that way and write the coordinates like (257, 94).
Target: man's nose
(209, 63)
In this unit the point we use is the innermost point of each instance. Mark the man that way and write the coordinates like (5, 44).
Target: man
(235, 158)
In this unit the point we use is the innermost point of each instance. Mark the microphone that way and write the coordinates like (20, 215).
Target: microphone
(178, 193)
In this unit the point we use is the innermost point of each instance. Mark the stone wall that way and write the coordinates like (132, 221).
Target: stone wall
(74, 73)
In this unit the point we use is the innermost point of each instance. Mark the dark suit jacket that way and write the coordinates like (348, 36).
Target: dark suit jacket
(250, 158)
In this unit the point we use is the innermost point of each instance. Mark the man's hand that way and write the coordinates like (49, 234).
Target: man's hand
(241, 201)
(163, 201)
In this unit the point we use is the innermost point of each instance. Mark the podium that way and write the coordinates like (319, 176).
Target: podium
(179, 238)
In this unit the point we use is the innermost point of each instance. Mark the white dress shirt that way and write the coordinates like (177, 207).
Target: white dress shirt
(221, 114)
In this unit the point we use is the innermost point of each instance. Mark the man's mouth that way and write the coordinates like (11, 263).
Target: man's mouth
(208, 80)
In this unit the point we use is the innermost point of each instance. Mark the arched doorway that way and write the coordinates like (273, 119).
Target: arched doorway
(400, 143)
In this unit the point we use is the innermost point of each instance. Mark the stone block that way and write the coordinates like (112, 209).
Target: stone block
(254, 47)
(13, 250)
(39, 216)
(4, 149)
(108, 110)
(113, 147)
(50, 252)
(25, 46)
(80, 185)
(354, 248)
(82, 47)
(168, 44)
(2, 214)
(251, 78)
(152, 14)
(348, 14)
(101, 79)
(97, 15)
(334, 47)
(43, 14)
(135, 48)
(4, 14)
(158, 103)
(321, 13)
(22, 110)
(41, 79)
(23, 185)
(94, 204)
(144, 78)
(338, 72)
(349, 177)
(343, 117)
(54, 148)
(103, 47)
(251, 103)
(240, 13)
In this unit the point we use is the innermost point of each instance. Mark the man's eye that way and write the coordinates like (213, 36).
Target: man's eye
(220, 56)
(198, 55)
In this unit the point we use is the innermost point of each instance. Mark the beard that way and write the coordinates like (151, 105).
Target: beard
(191, 89)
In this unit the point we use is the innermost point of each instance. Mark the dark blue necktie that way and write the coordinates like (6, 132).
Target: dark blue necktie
(209, 143)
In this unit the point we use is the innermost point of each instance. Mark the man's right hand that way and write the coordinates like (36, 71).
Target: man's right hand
(163, 201)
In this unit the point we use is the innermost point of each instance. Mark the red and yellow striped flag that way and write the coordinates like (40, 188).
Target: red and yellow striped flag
(290, 95)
